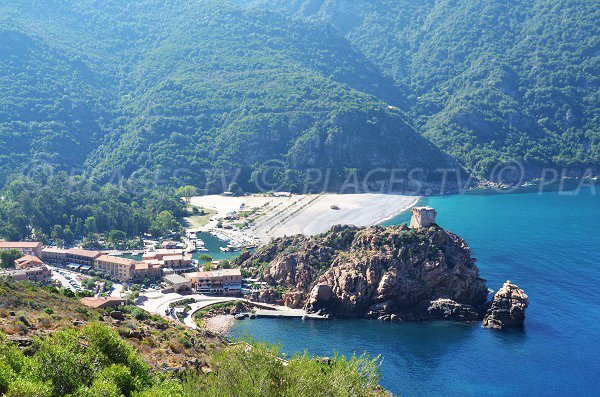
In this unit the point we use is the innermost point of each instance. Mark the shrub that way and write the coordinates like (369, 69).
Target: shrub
(28, 388)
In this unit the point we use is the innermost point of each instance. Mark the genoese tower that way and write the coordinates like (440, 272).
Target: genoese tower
(422, 217)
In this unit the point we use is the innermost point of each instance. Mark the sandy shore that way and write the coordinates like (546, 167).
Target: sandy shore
(220, 324)
(307, 214)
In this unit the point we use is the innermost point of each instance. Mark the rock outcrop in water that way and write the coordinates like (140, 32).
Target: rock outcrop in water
(507, 309)
(376, 272)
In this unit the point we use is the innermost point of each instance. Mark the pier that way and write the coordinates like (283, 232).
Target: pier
(288, 313)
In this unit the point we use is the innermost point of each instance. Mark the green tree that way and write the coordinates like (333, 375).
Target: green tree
(205, 258)
(8, 258)
(186, 192)
(163, 223)
(116, 236)
(90, 225)
(68, 235)
(57, 233)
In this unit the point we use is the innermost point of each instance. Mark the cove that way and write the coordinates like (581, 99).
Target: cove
(549, 244)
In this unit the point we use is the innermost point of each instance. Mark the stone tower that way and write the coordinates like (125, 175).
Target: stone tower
(422, 217)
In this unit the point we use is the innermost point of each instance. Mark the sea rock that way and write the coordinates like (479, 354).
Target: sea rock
(508, 307)
(447, 309)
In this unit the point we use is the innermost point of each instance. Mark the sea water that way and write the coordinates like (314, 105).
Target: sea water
(548, 244)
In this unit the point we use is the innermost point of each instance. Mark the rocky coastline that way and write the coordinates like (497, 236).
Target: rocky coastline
(395, 273)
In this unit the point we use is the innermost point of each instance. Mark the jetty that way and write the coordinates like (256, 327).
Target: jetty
(288, 313)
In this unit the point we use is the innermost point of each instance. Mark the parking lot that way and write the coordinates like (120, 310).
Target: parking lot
(67, 278)
(72, 280)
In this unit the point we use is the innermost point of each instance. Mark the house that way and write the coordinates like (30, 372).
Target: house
(102, 302)
(26, 248)
(39, 274)
(28, 261)
(223, 281)
(176, 283)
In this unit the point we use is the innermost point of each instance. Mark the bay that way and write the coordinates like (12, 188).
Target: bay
(548, 244)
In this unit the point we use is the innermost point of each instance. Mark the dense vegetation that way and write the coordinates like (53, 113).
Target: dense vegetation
(491, 80)
(50, 346)
(63, 208)
(193, 89)
(95, 362)
(213, 93)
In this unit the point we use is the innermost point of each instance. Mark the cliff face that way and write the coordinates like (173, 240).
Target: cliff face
(381, 272)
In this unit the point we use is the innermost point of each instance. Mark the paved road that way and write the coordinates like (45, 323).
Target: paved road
(158, 303)
(189, 319)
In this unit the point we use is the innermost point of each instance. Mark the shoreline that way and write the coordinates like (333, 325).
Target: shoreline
(254, 219)
(413, 204)
(219, 324)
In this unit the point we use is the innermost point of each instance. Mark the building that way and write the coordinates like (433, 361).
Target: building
(26, 248)
(120, 268)
(102, 302)
(169, 260)
(223, 281)
(82, 257)
(422, 217)
(28, 261)
(54, 255)
(177, 283)
(168, 244)
(143, 271)
(39, 274)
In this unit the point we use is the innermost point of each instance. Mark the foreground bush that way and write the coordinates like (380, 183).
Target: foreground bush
(95, 362)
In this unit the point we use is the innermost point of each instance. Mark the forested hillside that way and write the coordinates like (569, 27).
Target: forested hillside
(122, 87)
(491, 80)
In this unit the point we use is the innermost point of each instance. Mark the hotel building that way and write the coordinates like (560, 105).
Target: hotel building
(223, 281)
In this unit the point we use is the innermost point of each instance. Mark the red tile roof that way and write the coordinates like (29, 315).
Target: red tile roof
(18, 244)
(84, 253)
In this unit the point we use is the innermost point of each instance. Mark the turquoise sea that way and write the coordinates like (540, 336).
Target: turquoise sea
(548, 244)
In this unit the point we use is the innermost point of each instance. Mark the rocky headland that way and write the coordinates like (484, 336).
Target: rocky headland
(389, 273)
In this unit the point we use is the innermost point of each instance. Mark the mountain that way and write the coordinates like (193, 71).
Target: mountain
(121, 88)
(491, 80)
(195, 89)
